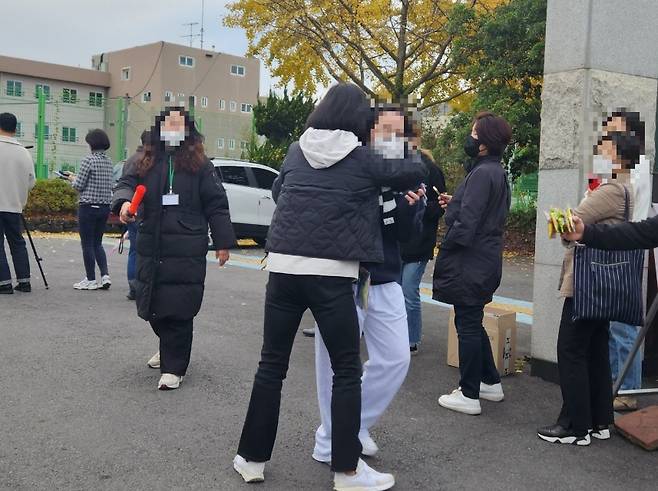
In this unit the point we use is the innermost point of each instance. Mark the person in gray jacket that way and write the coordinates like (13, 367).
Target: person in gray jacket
(17, 179)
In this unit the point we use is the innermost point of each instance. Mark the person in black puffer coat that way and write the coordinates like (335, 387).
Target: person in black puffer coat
(184, 196)
(419, 250)
(469, 267)
(326, 221)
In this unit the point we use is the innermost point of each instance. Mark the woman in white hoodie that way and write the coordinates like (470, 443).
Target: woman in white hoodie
(326, 222)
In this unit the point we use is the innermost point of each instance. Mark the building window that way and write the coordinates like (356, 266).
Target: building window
(19, 130)
(181, 97)
(168, 96)
(186, 61)
(231, 144)
(70, 96)
(96, 99)
(125, 73)
(245, 108)
(146, 96)
(220, 143)
(237, 70)
(69, 135)
(193, 101)
(14, 88)
(233, 106)
(45, 89)
(243, 145)
(204, 102)
(222, 104)
(46, 132)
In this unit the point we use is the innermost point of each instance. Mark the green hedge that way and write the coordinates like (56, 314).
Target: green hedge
(53, 196)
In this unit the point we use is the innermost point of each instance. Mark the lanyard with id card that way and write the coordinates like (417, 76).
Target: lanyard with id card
(170, 199)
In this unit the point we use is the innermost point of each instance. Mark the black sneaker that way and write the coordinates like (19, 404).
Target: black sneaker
(23, 287)
(557, 434)
(131, 295)
(413, 349)
(600, 432)
(6, 290)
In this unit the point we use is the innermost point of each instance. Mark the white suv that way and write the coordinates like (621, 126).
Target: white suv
(249, 190)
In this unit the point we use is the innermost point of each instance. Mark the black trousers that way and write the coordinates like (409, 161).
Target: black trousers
(331, 300)
(585, 379)
(91, 225)
(476, 362)
(175, 344)
(11, 227)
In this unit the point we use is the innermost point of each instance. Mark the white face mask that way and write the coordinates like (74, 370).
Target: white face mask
(602, 166)
(172, 138)
(390, 149)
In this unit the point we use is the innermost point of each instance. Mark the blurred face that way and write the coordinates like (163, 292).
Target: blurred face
(172, 130)
(607, 162)
(387, 136)
(388, 124)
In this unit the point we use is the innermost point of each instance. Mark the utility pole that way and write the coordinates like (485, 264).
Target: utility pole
(41, 127)
(191, 35)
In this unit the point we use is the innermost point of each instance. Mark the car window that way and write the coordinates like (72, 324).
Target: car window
(234, 175)
(264, 178)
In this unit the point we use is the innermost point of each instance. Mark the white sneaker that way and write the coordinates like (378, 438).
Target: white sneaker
(460, 403)
(250, 471)
(106, 282)
(169, 381)
(365, 479)
(86, 285)
(493, 393)
(369, 447)
(154, 362)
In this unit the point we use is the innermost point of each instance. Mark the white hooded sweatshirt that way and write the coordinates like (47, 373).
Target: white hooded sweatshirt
(322, 149)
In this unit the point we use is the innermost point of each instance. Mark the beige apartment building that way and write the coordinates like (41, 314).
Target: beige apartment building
(224, 89)
(75, 104)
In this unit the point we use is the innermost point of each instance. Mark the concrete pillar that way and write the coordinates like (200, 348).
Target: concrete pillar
(600, 55)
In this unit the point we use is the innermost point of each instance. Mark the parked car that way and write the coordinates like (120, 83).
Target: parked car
(249, 190)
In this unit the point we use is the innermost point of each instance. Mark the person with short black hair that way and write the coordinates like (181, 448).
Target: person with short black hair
(327, 193)
(17, 170)
(94, 183)
(128, 168)
(469, 267)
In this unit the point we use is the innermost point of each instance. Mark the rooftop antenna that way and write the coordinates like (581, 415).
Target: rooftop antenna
(203, 7)
(191, 35)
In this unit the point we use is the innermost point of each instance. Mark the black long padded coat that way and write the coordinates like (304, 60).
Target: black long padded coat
(470, 264)
(172, 241)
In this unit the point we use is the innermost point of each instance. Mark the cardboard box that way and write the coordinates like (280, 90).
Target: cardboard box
(501, 328)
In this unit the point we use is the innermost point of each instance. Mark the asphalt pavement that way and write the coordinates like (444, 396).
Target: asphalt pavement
(79, 408)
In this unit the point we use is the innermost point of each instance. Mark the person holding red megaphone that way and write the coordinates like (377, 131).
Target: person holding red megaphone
(184, 198)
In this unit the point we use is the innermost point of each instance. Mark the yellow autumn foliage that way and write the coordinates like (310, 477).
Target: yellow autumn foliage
(391, 48)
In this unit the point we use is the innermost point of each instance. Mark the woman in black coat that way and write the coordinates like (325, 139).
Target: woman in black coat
(469, 267)
(184, 196)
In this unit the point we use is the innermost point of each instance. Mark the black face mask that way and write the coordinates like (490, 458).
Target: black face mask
(472, 146)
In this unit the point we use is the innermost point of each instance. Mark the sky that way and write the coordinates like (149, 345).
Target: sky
(69, 32)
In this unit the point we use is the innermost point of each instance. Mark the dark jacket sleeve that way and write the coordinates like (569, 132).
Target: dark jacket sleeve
(438, 181)
(215, 208)
(473, 204)
(409, 218)
(623, 236)
(399, 174)
(125, 189)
